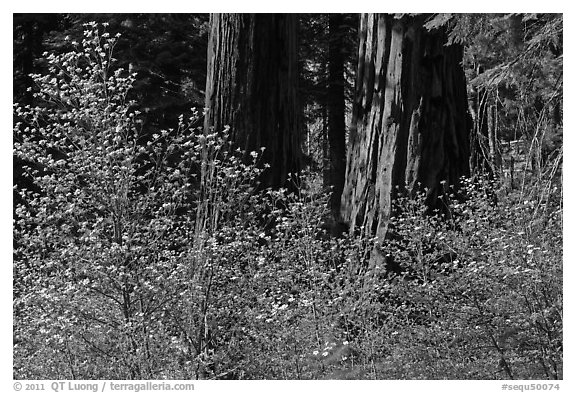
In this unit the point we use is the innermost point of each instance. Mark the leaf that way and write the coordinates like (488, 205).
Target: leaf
(439, 20)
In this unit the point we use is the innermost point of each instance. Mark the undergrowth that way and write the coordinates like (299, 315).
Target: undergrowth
(152, 257)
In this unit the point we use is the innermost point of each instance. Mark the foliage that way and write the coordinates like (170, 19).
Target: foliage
(514, 65)
(110, 243)
(167, 51)
(158, 256)
(28, 30)
(488, 284)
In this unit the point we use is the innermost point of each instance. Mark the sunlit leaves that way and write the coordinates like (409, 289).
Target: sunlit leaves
(108, 237)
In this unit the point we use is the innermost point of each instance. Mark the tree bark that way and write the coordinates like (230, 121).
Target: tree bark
(336, 112)
(409, 125)
(251, 86)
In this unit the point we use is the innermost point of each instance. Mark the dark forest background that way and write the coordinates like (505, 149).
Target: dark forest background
(288, 196)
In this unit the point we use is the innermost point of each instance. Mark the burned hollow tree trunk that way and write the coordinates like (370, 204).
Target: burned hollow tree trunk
(251, 86)
(409, 124)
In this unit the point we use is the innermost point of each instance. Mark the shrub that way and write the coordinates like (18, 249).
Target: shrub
(489, 292)
(158, 256)
(115, 242)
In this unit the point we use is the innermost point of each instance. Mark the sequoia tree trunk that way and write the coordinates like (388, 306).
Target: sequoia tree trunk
(251, 86)
(409, 126)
